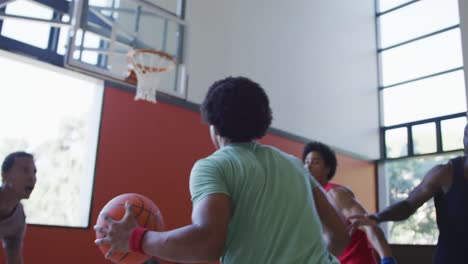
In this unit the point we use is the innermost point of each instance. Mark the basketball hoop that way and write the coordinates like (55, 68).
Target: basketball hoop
(148, 66)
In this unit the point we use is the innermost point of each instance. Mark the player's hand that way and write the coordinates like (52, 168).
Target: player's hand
(117, 233)
(363, 220)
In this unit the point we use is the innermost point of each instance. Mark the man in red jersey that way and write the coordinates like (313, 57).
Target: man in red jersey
(321, 162)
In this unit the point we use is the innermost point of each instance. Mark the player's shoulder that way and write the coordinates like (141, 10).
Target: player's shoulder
(441, 174)
(442, 170)
(340, 191)
(278, 154)
(219, 159)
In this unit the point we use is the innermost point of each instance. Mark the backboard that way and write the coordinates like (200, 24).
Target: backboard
(103, 32)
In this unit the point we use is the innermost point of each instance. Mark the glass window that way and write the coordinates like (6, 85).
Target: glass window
(396, 142)
(424, 138)
(433, 96)
(432, 15)
(452, 133)
(437, 96)
(25, 31)
(385, 5)
(60, 129)
(87, 48)
(420, 58)
(63, 37)
(402, 176)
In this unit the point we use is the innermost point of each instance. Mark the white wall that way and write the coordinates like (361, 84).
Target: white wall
(315, 59)
(463, 8)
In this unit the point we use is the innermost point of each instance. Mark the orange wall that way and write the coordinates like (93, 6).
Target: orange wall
(358, 175)
(149, 149)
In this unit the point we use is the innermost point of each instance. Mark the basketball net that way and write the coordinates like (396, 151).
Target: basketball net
(148, 66)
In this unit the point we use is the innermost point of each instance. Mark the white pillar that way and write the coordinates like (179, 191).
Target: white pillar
(463, 9)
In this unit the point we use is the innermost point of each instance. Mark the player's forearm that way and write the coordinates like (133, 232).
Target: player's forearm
(395, 212)
(377, 239)
(189, 244)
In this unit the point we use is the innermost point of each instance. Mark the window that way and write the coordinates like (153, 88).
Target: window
(396, 142)
(401, 25)
(425, 138)
(59, 124)
(427, 56)
(452, 133)
(423, 103)
(438, 96)
(53, 112)
(34, 34)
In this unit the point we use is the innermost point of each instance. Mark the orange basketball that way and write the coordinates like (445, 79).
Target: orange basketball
(147, 215)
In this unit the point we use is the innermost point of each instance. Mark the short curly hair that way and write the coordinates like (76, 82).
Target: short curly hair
(327, 154)
(238, 108)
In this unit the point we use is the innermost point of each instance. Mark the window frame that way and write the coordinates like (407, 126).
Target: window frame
(382, 190)
(50, 55)
(381, 87)
(91, 156)
(437, 120)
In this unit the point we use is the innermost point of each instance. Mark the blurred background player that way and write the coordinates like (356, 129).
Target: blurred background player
(18, 181)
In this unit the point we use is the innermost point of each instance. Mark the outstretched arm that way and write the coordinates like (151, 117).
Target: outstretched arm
(335, 232)
(348, 205)
(433, 182)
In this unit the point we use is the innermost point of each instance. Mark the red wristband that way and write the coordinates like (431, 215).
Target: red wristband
(136, 239)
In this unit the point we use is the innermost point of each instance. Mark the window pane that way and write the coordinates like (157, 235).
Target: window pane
(385, 5)
(402, 176)
(437, 96)
(25, 31)
(61, 131)
(87, 51)
(396, 142)
(452, 133)
(63, 37)
(420, 58)
(424, 138)
(432, 15)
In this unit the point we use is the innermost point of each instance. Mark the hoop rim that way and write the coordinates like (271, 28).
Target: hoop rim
(163, 54)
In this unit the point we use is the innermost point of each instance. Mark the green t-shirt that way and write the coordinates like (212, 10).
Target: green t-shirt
(274, 219)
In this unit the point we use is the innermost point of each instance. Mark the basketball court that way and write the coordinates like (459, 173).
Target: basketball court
(74, 69)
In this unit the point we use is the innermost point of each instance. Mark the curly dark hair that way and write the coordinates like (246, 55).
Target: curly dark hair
(238, 108)
(327, 154)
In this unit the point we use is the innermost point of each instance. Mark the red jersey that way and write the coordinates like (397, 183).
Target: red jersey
(359, 250)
